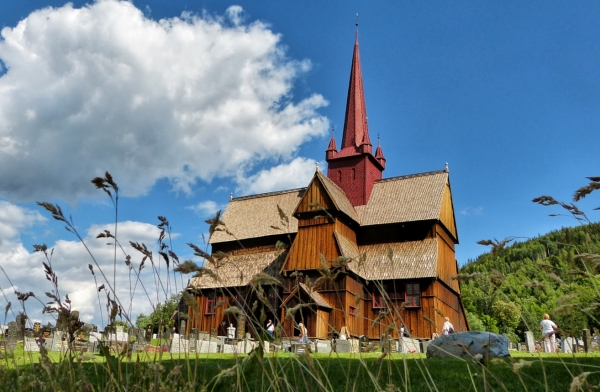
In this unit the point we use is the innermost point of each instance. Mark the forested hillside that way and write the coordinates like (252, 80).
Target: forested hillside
(509, 289)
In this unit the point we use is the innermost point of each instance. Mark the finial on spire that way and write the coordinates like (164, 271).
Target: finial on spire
(446, 169)
(231, 196)
(356, 23)
(318, 167)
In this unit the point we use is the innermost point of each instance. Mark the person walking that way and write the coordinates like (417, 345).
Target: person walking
(447, 328)
(303, 333)
(549, 334)
(270, 328)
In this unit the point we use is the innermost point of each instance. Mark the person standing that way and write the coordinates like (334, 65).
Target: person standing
(303, 333)
(447, 328)
(548, 326)
(270, 328)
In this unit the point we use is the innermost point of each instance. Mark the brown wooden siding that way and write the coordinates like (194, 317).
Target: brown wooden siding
(317, 197)
(446, 265)
(448, 304)
(447, 212)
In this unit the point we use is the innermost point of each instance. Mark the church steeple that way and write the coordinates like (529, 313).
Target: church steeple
(356, 126)
(354, 168)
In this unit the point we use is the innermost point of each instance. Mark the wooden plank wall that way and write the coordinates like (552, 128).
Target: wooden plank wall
(447, 212)
(315, 194)
(448, 303)
(446, 263)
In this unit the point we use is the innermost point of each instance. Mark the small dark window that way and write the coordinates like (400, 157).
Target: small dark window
(352, 311)
(413, 295)
(377, 301)
(210, 306)
(353, 173)
(339, 175)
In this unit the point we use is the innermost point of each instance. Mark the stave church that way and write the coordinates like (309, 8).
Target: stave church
(352, 252)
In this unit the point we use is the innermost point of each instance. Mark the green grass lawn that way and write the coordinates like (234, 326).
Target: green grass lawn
(288, 372)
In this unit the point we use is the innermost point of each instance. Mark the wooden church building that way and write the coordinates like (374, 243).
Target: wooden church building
(352, 252)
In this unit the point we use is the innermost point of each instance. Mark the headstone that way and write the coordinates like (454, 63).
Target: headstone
(30, 344)
(12, 335)
(569, 345)
(529, 341)
(149, 329)
(207, 346)
(587, 340)
(424, 344)
(343, 346)
(179, 344)
(408, 346)
(363, 342)
(56, 343)
(323, 346)
(471, 345)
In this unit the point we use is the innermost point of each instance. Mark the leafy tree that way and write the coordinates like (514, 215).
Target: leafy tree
(162, 314)
(507, 315)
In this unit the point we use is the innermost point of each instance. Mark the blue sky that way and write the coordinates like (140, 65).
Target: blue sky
(161, 94)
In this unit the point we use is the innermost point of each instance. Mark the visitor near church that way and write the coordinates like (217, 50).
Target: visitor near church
(549, 334)
(303, 333)
(447, 328)
(270, 328)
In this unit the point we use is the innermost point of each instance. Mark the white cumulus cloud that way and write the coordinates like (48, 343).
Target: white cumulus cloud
(105, 88)
(295, 174)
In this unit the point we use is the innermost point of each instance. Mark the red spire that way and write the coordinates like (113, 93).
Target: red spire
(379, 153)
(356, 129)
(332, 148)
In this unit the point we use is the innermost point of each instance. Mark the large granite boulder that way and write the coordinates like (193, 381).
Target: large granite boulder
(474, 344)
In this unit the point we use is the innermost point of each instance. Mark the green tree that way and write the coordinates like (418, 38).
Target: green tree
(507, 315)
(162, 314)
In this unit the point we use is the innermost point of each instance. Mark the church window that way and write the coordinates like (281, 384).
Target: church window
(210, 306)
(377, 301)
(413, 295)
(352, 311)
(354, 173)
(339, 175)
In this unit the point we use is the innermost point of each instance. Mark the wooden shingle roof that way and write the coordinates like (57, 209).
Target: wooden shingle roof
(338, 196)
(405, 199)
(258, 216)
(313, 295)
(238, 270)
(409, 260)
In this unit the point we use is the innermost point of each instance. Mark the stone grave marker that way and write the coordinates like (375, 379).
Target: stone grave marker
(569, 345)
(529, 341)
(30, 344)
(12, 334)
(587, 340)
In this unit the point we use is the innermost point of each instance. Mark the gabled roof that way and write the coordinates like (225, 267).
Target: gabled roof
(257, 216)
(405, 199)
(409, 260)
(313, 295)
(238, 270)
(337, 196)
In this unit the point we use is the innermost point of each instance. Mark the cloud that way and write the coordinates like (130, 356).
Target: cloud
(469, 211)
(104, 88)
(14, 218)
(295, 174)
(205, 208)
(70, 260)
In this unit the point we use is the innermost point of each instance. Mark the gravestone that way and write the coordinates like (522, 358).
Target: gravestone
(12, 334)
(343, 346)
(587, 340)
(149, 329)
(30, 344)
(569, 345)
(207, 346)
(56, 343)
(323, 346)
(529, 342)
(179, 344)
(408, 345)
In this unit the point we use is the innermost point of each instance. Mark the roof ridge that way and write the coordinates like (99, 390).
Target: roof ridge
(429, 173)
(259, 195)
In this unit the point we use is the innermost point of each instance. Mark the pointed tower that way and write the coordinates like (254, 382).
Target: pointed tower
(354, 168)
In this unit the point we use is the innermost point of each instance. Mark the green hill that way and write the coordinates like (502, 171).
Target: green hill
(509, 289)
